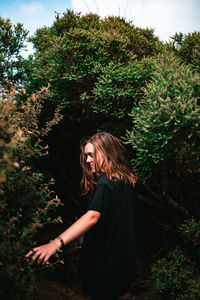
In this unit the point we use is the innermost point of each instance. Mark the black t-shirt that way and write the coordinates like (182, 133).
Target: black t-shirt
(108, 252)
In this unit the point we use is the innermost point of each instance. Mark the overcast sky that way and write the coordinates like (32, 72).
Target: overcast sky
(166, 17)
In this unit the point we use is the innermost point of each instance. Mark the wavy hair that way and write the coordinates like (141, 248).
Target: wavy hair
(115, 164)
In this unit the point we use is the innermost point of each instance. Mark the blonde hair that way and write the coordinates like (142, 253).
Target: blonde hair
(115, 164)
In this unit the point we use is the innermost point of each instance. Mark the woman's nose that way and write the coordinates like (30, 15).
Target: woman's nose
(88, 159)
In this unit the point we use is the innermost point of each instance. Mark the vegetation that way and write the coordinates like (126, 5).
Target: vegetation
(166, 121)
(178, 275)
(187, 47)
(103, 74)
(165, 138)
(12, 64)
(26, 200)
(89, 61)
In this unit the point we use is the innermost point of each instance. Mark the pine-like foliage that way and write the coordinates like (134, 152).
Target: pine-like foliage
(166, 133)
(166, 140)
(187, 47)
(93, 65)
(12, 64)
(177, 277)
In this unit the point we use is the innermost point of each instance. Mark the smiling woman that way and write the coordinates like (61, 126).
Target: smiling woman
(89, 154)
(102, 154)
(107, 262)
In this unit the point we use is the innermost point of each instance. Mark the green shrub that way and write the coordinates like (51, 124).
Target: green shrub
(166, 130)
(176, 277)
(92, 65)
(166, 141)
(187, 47)
(12, 64)
(119, 87)
(73, 52)
(190, 232)
(25, 199)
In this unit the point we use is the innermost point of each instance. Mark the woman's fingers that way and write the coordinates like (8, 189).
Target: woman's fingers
(45, 260)
(30, 253)
(42, 253)
(39, 258)
(36, 254)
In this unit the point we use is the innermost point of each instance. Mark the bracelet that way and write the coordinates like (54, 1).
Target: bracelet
(61, 241)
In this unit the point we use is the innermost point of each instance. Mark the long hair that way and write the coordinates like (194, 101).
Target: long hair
(115, 164)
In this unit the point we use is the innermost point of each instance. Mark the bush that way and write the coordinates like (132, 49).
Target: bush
(95, 60)
(176, 277)
(12, 64)
(190, 232)
(119, 87)
(187, 47)
(166, 141)
(26, 200)
(166, 129)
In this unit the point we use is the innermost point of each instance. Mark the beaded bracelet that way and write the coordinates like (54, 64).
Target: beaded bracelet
(61, 241)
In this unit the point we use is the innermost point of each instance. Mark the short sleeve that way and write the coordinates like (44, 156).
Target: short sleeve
(100, 198)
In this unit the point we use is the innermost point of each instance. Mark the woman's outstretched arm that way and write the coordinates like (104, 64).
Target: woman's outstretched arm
(77, 229)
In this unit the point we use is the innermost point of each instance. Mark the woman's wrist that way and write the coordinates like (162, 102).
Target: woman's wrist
(59, 241)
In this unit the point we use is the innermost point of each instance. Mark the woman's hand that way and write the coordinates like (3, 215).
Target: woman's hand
(80, 227)
(41, 254)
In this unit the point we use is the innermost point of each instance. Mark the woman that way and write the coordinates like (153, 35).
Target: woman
(107, 263)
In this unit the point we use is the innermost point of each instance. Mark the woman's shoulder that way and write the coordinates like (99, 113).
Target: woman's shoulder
(103, 184)
(104, 180)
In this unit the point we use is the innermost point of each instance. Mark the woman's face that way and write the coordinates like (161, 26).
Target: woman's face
(89, 154)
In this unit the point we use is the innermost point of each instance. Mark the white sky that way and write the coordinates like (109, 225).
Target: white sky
(166, 17)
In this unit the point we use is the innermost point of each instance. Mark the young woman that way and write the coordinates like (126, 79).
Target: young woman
(107, 262)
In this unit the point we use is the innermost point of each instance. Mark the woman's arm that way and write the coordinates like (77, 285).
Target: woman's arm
(80, 227)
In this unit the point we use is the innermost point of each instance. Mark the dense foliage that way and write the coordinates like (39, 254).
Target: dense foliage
(25, 199)
(104, 74)
(178, 275)
(187, 47)
(166, 122)
(166, 140)
(12, 64)
(93, 65)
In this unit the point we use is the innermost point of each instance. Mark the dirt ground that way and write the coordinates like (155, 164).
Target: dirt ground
(54, 290)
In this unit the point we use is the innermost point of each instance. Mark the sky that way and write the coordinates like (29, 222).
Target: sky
(166, 17)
